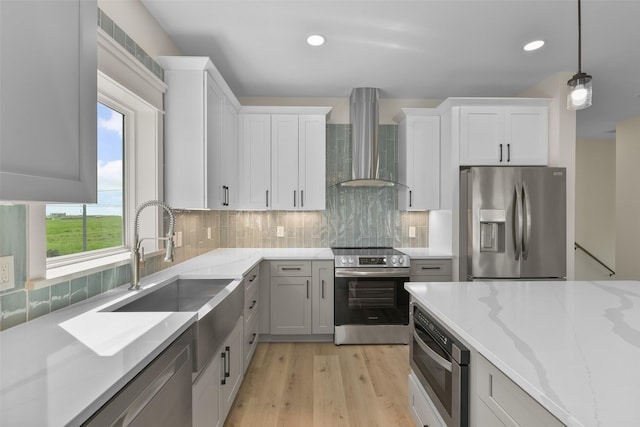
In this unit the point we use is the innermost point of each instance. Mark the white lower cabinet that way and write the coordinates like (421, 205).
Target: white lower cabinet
(301, 297)
(422, 411)
(501, 402)
(251, 314)
(217, 386)
(430, 270)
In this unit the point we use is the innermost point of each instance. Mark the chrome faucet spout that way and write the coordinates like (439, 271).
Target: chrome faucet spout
(137, 253)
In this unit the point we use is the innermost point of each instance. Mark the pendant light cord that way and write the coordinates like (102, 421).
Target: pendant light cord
(579, 39)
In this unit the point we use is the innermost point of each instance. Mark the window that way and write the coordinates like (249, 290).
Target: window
(74, 229)
(137, 99)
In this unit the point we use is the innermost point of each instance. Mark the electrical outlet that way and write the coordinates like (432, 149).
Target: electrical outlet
(209, 233)
(412, 232)
(280, 231)
(178, 239)
(6, 273)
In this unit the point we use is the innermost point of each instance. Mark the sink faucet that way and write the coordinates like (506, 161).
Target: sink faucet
(137, 252)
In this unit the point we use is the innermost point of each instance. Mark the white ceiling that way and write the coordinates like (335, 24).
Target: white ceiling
(429, 49)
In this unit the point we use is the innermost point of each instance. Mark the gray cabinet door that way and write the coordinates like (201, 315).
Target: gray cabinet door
(48, 107)
(290, 305)
(322, 278)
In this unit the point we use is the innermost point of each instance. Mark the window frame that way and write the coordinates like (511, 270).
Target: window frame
(128, 135)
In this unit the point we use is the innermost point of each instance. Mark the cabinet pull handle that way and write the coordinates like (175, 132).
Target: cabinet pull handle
(430, 268)
(228, 196)
(223, 381)
(253, 277)
(291, 268)
(302, 198)
(294, 198)
(227, 370)
(508, 152)
(307, 289)
(253, 338)
(253, 304)
(322, 288)
(500, 153)
(267, 198)
(410, 201)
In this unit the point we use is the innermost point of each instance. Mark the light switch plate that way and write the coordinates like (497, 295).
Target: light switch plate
(7, 280)
(178, 239)
(209, 233)
(412, 232)
(280, 231)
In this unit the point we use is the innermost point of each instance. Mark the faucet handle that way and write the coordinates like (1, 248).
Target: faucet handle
(142, 260)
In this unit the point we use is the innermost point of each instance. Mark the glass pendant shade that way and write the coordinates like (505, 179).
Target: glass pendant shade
(580, 91)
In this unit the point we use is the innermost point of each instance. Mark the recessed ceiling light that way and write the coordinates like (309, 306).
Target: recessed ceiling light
(534, 45)
(315, 40)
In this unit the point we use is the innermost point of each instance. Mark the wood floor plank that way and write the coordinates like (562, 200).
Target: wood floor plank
(329, 402)
(324, 385)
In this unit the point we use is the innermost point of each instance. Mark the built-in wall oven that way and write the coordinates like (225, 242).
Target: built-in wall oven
(441, 364)
(371, 305)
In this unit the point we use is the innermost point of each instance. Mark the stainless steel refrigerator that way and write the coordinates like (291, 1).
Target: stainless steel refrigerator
(513, 223)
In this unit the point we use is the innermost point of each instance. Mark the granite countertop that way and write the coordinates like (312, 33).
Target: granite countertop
(60, 368)
(572, 346)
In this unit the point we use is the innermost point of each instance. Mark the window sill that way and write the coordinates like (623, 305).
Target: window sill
(79, 269)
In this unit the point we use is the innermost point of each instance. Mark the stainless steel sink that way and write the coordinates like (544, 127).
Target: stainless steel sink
(212, 326)
(180, 295)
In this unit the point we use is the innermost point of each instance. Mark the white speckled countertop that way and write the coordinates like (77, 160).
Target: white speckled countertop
(59, 369)
(573, 346)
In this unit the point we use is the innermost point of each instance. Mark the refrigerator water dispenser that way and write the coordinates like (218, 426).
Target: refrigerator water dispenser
(492, 232)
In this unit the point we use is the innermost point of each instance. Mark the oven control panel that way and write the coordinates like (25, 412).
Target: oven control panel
(372, 261)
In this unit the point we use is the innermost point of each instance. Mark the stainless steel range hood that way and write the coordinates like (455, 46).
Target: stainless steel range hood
(364, 140)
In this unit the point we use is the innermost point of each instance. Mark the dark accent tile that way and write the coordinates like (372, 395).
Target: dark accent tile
(130, 45)
(106, 24)
(59, 296)
(94, 284)
(119, 35)
(13, 309)
(39, 302)
(79, 290)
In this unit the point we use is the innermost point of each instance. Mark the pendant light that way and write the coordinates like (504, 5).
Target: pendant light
(580, 89)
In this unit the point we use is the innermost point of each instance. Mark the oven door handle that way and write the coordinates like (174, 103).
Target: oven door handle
(432, 354)
(372, 272)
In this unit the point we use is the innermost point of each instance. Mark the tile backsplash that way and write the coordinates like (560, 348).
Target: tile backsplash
(353, 217)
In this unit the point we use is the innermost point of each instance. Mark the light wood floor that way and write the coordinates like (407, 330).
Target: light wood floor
(324, 385)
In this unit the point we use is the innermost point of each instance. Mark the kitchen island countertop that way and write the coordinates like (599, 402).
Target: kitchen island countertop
(573, 346)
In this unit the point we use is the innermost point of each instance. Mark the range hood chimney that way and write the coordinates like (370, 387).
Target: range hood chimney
(364, 140)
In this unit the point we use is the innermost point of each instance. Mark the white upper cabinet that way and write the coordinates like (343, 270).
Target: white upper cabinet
(201, 137)
(255, 161)
(419, 159)
(283, 157)
(503, 135)
(48, 116)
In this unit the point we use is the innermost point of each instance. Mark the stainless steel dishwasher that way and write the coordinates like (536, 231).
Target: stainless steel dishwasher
(160, 395)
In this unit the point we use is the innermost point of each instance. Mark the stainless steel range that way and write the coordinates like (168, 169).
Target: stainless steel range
(371, 304)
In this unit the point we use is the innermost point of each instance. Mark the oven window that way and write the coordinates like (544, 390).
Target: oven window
(437, 377)
(372, 294)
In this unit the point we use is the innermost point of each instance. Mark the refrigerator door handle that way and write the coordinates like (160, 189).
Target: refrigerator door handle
(527, 210)
(518, 222)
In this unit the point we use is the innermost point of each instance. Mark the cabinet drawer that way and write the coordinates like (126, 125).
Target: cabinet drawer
(250, 303)
(291, 268)
(252, 279)
(250, 340)
(431, 267)
(512, 405)
(422, 410)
